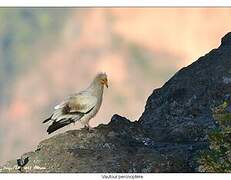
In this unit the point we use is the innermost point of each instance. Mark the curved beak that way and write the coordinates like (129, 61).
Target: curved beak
(106, 83)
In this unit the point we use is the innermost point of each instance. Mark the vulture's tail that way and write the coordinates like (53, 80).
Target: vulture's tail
(63, 121)
(59, 124)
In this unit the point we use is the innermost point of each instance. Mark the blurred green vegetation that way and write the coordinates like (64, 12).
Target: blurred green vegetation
(218, 157)
(24, 34)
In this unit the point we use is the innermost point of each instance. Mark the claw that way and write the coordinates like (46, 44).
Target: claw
(89, 128)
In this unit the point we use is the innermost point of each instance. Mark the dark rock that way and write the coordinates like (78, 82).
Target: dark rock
(182, 107)
(167, 138)
(226, 40)
(119, 146)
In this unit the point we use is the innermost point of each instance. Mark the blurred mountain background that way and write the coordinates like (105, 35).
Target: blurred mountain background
(48, 53)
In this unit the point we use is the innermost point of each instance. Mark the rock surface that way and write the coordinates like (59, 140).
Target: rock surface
(167, 137)
(180, 111)
(120, 146)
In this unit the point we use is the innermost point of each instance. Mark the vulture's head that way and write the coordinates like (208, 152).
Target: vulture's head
(102, 79)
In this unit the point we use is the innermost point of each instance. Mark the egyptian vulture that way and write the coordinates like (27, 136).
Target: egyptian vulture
(80, 106)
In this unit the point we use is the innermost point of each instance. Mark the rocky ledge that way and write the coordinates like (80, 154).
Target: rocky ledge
(168, 137)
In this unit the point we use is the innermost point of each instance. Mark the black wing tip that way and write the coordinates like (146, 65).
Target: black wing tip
(48, 119)
(57, 125)
(51, 129)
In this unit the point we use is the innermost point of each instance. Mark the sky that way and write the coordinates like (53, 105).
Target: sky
(139, 49)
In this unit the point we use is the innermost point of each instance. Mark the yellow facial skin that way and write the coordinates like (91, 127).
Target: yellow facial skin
(104, 82)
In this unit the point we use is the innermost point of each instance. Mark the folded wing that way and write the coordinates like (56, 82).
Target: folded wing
(71, 110)
(78, 103)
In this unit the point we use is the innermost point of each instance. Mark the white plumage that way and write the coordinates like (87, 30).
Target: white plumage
(81, 106)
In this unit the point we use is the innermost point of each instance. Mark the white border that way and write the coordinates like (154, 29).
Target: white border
(114, 3)
(117, 3)
(98, 176)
